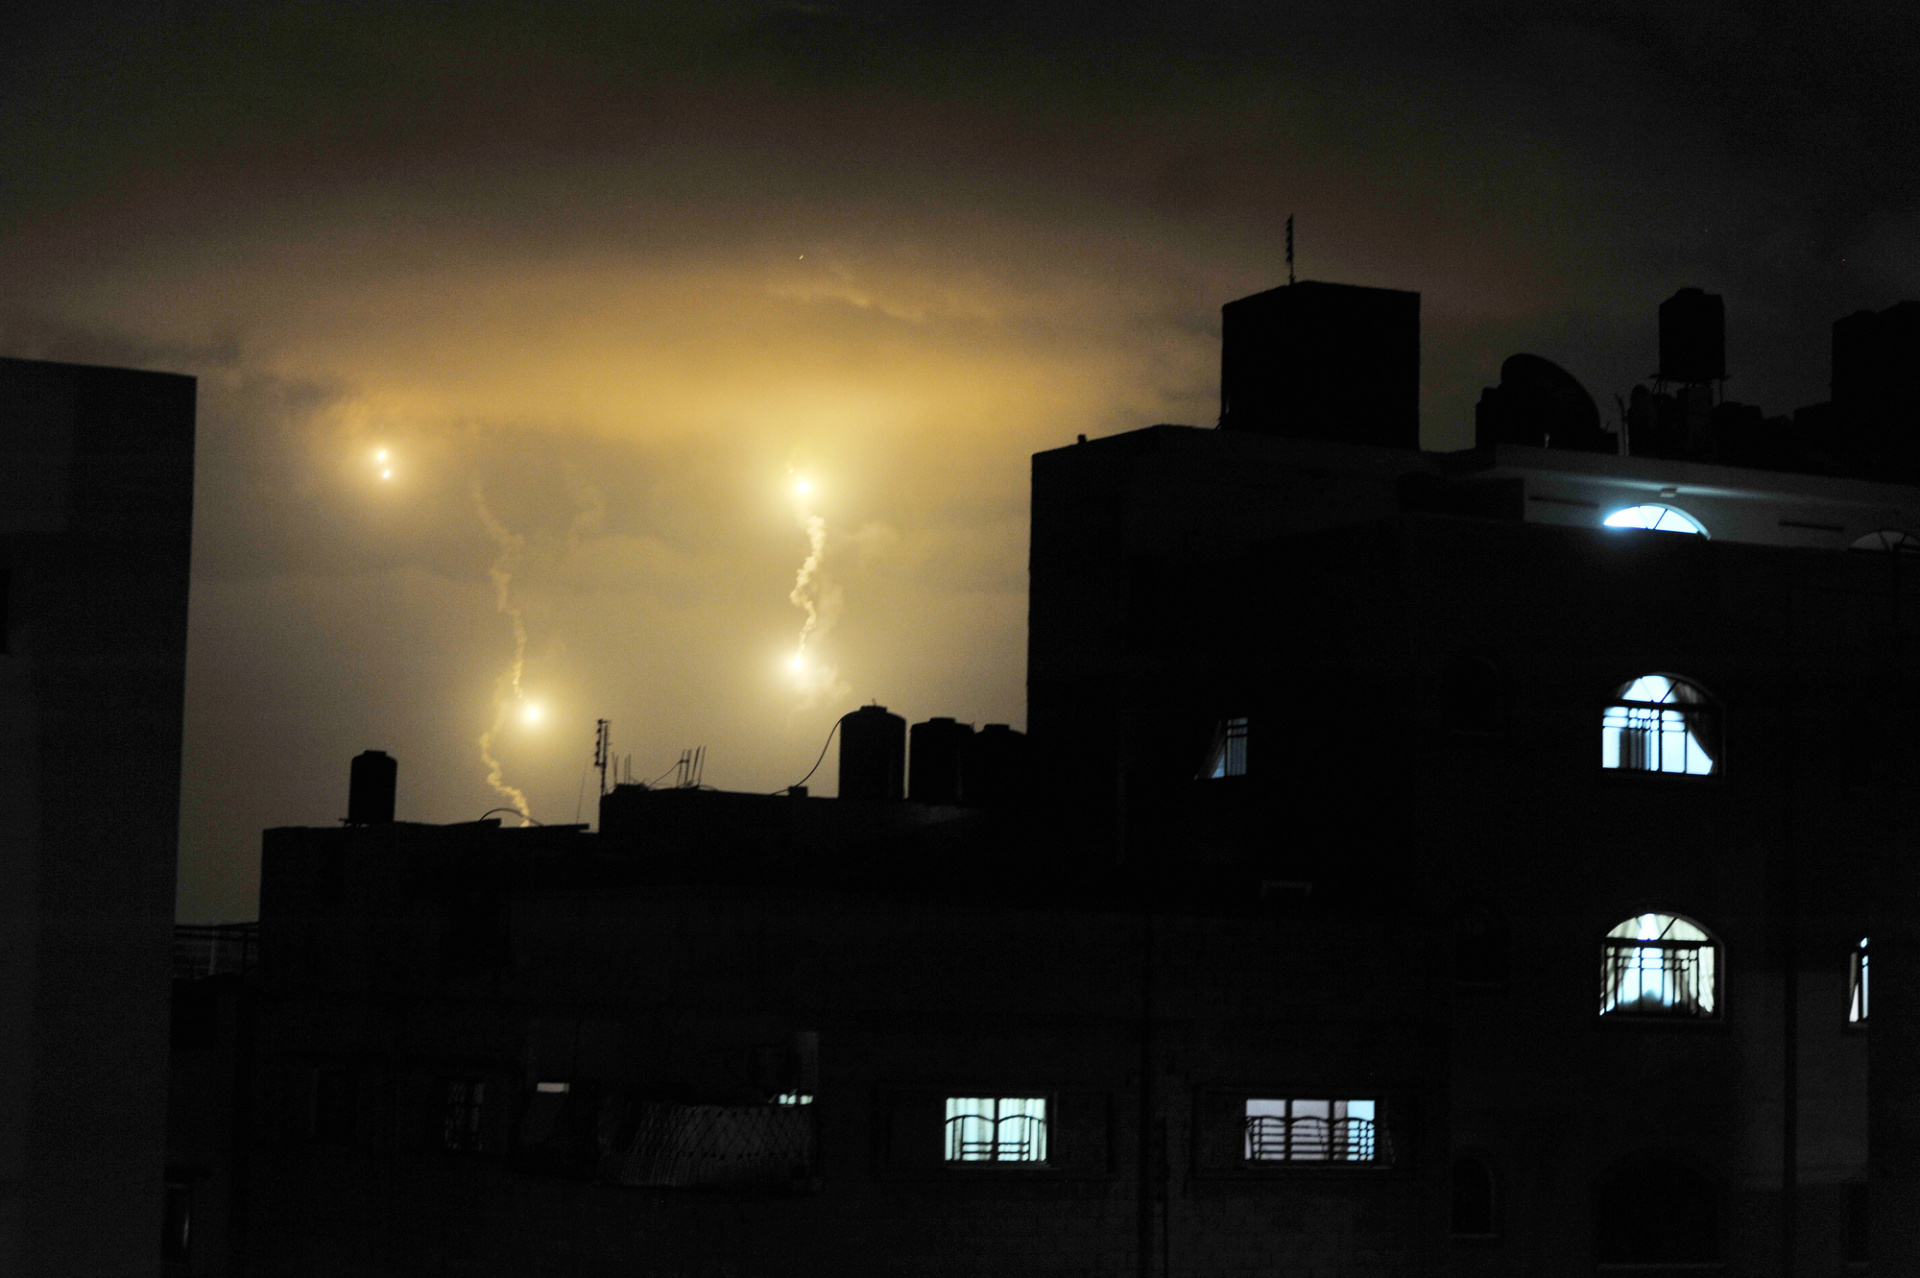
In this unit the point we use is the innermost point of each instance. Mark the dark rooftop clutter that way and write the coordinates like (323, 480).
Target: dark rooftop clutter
(370, 788)
(1540, 405)
(994, 772)
(937, 762)
(1693, 338)
(1323, 361)
(873, 750)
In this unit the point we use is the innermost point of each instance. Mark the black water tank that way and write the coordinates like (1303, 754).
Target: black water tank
(1693, 338)
(370, 788)
(994, 772)
(939, 756)
(873, 754)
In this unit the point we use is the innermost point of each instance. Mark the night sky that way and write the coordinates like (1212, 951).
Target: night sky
(622, 275)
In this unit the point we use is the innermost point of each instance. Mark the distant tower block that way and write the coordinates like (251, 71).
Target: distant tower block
(1323, 361)
(939, 754)
(1693, 338)
(873, 755)
(370, 787)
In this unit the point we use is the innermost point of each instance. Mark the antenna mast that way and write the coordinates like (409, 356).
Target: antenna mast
(1289, 248)
(602, 740)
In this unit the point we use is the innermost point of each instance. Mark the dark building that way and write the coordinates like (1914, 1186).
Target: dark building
(1323, 361)
(1418, 864)
(97, 487)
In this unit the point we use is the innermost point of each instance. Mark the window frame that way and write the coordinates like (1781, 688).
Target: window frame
(1217, 1130)
(1859, 986)
(1641, 1020)
(1376, 1135)
(1699, 529)
(963, 1165)
(1711, 717)
(1226, 758)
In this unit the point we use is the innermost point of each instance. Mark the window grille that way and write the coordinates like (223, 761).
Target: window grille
(1313, 1131)
(996, 1129)
(1659, 724)
(713, 1145)
(1857, 989)
(1228, 755)
(1658, 965)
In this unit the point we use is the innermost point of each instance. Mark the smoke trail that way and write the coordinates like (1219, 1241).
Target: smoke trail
(506, 690)
(804, 590)
(814, 595)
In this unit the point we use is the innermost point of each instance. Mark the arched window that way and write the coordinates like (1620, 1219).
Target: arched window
(1656, 518)
(1658, 965)
(1857, 985)
(1658, 723)
(1656, 1212)
(1473, 1200)
(1895, 539)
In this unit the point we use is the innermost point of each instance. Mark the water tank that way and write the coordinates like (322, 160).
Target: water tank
(873, 755)
(370, 786)
(1693, 338)
(994, 772)
(939, 757)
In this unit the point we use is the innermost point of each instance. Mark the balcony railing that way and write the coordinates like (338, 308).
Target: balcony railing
(214, 950)
(691, 1145)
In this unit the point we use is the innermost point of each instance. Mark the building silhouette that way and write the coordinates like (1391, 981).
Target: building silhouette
(1417, 863)
(98, 501)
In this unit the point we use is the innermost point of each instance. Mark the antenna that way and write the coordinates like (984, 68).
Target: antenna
(602, 739)
(1289, 248)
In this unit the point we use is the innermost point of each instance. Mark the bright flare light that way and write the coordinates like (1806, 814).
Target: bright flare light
(386, 474)
(798, 662)
(802, 487)
(531, 713)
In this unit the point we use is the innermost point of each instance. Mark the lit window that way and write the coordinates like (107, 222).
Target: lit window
(1659, 724)
(1657, 965)
(793, 1098)
(1312, 1131)
(1894, 539)
(996, 1129)
(1657, 519)
(1857, 985)
(1228, 758)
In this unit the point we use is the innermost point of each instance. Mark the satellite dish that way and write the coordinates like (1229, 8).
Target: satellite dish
(1540, 404)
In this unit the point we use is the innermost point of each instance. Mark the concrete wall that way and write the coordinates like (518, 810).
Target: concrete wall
(96, 496)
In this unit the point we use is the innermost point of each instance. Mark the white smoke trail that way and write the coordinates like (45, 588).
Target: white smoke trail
(506, 690)
(804, 589)
(814, 595)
